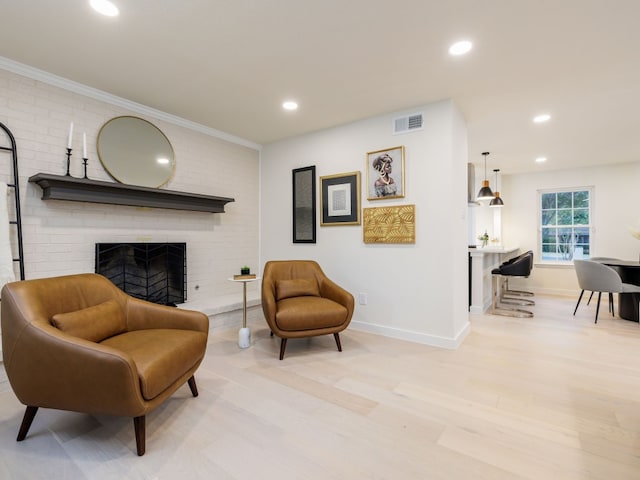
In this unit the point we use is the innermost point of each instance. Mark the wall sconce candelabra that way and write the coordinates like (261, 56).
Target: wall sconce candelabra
(85, 159)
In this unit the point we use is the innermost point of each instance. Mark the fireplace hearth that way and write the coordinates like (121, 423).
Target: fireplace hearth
(156, 272)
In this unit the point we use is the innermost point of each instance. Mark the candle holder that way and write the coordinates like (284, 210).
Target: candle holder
(68, 161)
(85, 161)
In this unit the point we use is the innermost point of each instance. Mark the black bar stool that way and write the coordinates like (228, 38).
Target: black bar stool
(518, 293)
(518, 267)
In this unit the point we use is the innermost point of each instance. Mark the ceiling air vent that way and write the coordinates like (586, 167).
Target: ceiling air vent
(408, 123)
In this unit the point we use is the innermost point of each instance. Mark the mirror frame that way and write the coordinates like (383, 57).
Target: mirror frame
(119, 176)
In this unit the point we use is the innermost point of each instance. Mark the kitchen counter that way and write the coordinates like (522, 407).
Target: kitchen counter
(490, 249)
(481, 262)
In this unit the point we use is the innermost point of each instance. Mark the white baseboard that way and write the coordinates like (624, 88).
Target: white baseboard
(416, 337)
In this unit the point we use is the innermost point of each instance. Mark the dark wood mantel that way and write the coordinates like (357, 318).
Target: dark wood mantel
(60, 187)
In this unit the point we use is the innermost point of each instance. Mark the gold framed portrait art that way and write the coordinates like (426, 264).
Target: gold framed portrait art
(385, 173)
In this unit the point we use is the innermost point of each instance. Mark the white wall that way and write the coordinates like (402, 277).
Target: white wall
(418, 292)
(615, 209)
(59, 236)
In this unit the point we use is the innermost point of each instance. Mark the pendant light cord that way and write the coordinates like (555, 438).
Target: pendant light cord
(485, 164)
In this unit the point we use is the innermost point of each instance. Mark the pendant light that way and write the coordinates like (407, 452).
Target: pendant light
(485, 192)
(496, 201)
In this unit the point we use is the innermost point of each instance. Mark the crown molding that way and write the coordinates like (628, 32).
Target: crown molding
(75, 87)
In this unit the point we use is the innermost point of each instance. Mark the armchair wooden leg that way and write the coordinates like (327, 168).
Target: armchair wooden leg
(337, 337)
(192, 386)
(29, 415)
(139, 426)
(283, 346)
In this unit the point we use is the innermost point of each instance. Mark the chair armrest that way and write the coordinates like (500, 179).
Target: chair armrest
(333, 291)
(268, 301)
(143, 315)
(49, 368)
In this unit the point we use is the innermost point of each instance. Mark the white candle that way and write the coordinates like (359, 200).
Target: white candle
(70, 135)
(84, 145)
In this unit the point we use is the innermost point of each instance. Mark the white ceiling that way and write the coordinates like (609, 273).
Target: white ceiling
(229, 64)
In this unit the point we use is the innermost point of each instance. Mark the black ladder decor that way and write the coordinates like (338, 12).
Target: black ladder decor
(16, 191)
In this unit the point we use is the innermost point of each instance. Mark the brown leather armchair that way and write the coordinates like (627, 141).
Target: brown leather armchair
(299, 300)
(79, 343)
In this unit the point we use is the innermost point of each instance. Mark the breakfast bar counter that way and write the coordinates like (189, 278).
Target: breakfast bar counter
(481, 262)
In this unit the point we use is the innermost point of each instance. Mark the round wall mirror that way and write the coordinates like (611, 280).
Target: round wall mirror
(136, 152)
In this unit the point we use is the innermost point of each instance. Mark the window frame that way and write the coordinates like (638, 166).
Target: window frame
(591, 190)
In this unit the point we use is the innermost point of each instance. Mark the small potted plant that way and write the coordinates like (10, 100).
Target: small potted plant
(245, 270)
(484, 239)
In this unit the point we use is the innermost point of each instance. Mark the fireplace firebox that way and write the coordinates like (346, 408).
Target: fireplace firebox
(156, 272)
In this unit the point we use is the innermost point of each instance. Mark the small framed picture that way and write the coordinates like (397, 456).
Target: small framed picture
(340, 199)
(385, 173)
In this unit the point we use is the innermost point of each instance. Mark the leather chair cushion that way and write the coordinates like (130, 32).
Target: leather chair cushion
(297, 287)
(160, 355)
(93, 323)
(309, 313)
(521, 267)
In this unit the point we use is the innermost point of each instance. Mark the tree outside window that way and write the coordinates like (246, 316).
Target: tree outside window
(565, 221)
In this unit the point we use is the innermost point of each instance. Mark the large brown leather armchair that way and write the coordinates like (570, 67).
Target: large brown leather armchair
(299, 300)
(79, 343)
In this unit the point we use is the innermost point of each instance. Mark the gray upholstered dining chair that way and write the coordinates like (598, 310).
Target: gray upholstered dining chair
(597, 277)
(603, 260)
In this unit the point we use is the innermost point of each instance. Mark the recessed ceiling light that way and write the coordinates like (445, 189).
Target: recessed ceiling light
(290, 105)
(545, 117)
(105, 7)
(460, 48)
(541, 159)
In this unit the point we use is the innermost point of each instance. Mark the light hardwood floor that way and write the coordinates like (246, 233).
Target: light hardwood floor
(552, 397)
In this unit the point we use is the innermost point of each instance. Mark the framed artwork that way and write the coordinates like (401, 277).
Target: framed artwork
(304, 204)
(385, 173)
(389, 224)
(340, 199)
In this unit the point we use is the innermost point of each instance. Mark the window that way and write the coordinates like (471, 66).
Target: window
(565, 224)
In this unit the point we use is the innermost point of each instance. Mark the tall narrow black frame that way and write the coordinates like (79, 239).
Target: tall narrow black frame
(304, 204)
